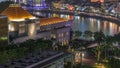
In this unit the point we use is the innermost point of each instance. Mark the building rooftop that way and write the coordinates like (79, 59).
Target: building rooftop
(36, 59)
(52, 20)
(16, 13)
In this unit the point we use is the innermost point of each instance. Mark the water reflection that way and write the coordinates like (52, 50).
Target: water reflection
(83, 24)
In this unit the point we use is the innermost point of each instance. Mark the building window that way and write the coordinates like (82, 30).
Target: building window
(66, 33)
(59, 35)
(53, 36)
(38, 27)
(31, 29)
(21, 24)
(21, 30)
(62, 34)
(11, 27)
(44, 38)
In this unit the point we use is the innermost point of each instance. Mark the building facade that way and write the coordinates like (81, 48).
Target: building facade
(58, 29)
(24, 26)
(103, 0)
(36, 4)
(21, 23)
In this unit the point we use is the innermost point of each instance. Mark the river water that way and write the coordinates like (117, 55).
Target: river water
(83, 23)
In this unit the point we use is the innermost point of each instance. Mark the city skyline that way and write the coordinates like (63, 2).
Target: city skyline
(65, 34)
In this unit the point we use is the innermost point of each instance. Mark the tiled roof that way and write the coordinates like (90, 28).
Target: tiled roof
(16, 12)
(52, 20)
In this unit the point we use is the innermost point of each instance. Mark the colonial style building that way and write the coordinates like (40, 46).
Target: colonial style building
(58, 29)
(24, 26)
(21, 23)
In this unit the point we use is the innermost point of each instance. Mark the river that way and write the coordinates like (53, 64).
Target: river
(83, 23)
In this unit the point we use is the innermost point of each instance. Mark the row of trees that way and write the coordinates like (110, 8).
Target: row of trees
(107, 47)
(86, 34)
(14, 51)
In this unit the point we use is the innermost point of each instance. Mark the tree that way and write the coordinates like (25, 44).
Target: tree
(117, 38)
(108, 44)
(97, 52)
(99, 38)
(77, 34)
(88, 34)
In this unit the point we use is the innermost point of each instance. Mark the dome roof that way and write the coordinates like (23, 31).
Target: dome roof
(16, 13)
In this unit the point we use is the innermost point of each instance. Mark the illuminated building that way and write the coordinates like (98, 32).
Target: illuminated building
(19, 1)
(21, 23)
(97, 0)
(3, 30)
(37, 4)
(103, 1)
(24, 26)
(56, 28)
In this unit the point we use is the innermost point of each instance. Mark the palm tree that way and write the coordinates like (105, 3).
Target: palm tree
(117, 38)
(77, 34)
(99, 38)
(98, 51)
(88, 34)
(108, 45)
(29, 44)
(116, 51)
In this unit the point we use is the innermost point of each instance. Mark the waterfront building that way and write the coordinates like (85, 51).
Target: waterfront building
(24, 26)
(21, 23)
(3, 29)
(56, 28)
(36, 4)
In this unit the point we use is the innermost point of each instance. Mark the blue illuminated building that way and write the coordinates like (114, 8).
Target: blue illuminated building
(32, 4)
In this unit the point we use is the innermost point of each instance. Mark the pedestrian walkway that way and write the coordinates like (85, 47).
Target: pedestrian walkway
(89, 61)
